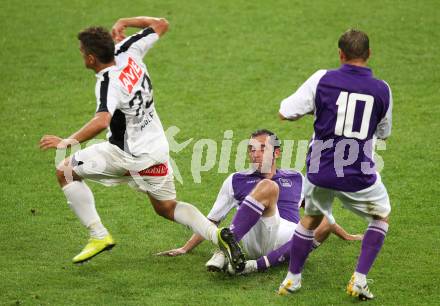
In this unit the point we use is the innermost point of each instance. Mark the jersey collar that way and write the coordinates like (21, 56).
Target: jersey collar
(100, 73)
(276, 174)
(261, 175)
(356, 70)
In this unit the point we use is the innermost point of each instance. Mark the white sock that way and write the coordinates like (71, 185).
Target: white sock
(360, 278)
(252, 265)
(316, 244)
(81, 201)
(190, 216)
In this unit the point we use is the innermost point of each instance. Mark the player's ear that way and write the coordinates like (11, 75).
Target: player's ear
(91, 59)
(277, 152)
(341, 56)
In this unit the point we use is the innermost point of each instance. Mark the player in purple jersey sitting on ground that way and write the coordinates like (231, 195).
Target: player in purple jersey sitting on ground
(268, 201)
(351, 109)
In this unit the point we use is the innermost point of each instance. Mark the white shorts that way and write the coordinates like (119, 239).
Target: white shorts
(267, 235)
(107, 164)
(367, 203)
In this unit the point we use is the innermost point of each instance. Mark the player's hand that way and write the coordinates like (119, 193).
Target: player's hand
(357, 237)
(173, 252)
(52, 141)
(118, 31)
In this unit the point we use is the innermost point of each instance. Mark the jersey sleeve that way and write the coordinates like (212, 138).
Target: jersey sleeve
(302, 191)
(224, 203)
(106, 96)
(303, 100)
(137, 45)
(383, 129)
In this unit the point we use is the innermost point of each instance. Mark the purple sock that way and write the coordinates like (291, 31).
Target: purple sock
(371, 245)
(246, 217)
(275, 257)
(302, 242)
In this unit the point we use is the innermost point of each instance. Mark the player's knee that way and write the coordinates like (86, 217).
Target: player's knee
(267, 189)
(65, 173)
(384, 213)
(165, 208)
(383, 217)
(311, 222)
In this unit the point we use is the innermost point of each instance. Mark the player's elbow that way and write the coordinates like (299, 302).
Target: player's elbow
(161, 26)
(290, 118)
(102, 120)
(164, 24)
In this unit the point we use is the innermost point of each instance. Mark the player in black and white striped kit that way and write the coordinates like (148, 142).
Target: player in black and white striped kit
(137, 150)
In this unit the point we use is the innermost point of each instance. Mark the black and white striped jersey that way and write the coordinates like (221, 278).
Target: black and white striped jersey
(125, 91)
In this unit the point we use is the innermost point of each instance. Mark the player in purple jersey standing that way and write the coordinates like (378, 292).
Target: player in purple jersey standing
(351, 109)
(267, 201)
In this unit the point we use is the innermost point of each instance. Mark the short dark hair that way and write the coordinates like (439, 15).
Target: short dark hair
(274, 140)
(99, 42)
(355, 44)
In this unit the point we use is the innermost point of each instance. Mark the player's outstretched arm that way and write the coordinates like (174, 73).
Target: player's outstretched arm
(341, 233)
(223, 204)
(325, 229)
(159, 25)
(92, 128)
(192, 243)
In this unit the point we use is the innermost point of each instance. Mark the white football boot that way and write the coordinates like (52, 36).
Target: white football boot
(217, 263)
(289, 286)
(250, 267)
(359, 290)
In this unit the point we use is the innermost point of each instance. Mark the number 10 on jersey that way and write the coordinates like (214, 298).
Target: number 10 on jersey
(346, 114)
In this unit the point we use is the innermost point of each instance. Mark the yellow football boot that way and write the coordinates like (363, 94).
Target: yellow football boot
(360, 291)
(231, 249)
(93, 248)
(289, 286)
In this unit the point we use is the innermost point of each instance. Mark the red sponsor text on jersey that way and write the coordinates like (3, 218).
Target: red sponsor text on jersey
(130, 75)
(156, 170)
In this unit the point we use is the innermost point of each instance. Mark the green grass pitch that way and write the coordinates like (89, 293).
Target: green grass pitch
(224, 65)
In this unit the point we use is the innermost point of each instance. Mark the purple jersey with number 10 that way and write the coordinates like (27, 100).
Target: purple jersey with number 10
(350, 107)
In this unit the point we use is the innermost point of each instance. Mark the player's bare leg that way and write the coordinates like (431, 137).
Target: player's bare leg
(190, 216)
(371, 246)
(302, 242)
(187, 215)
(81, 201)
